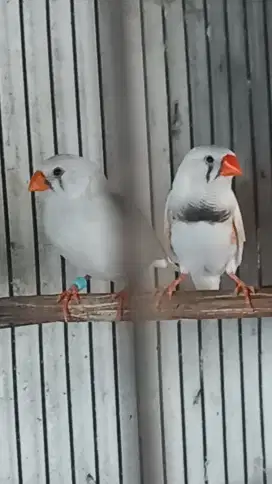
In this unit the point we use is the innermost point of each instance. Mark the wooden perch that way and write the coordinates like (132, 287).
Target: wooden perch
(26, 310)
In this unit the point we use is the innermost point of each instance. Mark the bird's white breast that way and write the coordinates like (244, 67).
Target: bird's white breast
(203, 248)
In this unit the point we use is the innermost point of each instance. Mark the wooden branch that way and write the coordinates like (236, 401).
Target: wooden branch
(27, 310)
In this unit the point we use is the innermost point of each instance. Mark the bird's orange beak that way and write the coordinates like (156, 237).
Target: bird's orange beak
(38, 182)
(230, 166)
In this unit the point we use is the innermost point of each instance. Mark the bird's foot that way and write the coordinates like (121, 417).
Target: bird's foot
(247, 291)
(72, 293)
(122, 297)
(66, 297)
(241, 287)
(169, 290)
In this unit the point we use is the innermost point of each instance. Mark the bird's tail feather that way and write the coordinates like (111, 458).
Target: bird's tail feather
(160, 263)
(206, 282)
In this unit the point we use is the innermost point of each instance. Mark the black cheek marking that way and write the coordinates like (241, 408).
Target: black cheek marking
(218, 173)
(61, 183)
(48, 183)
(208, 174)
(192, 214)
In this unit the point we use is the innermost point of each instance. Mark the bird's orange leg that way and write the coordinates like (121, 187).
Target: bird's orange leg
(169, 290)
(72, 293)
(122, 298)
(242, 287)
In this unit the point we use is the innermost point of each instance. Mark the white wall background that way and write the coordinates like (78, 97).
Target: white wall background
(198, 73)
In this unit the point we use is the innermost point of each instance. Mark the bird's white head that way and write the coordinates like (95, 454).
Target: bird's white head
(208, 165)
(65, 175)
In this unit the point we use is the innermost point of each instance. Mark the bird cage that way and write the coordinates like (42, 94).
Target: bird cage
(134, 83)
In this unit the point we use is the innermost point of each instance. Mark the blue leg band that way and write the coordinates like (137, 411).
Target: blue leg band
(80, 283)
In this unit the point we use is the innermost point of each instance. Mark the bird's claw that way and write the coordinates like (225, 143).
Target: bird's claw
(241, 287)
(169, 291)
(122, 297)
(67, 296)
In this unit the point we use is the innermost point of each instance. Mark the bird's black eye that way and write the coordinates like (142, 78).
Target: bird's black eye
(57, 172)
(209, 160)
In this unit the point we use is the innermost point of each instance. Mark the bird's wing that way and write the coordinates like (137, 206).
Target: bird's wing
(238, 233)
(172, 258)
(147, 247)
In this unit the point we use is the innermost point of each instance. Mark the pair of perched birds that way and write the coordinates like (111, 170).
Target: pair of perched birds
(203, 223)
